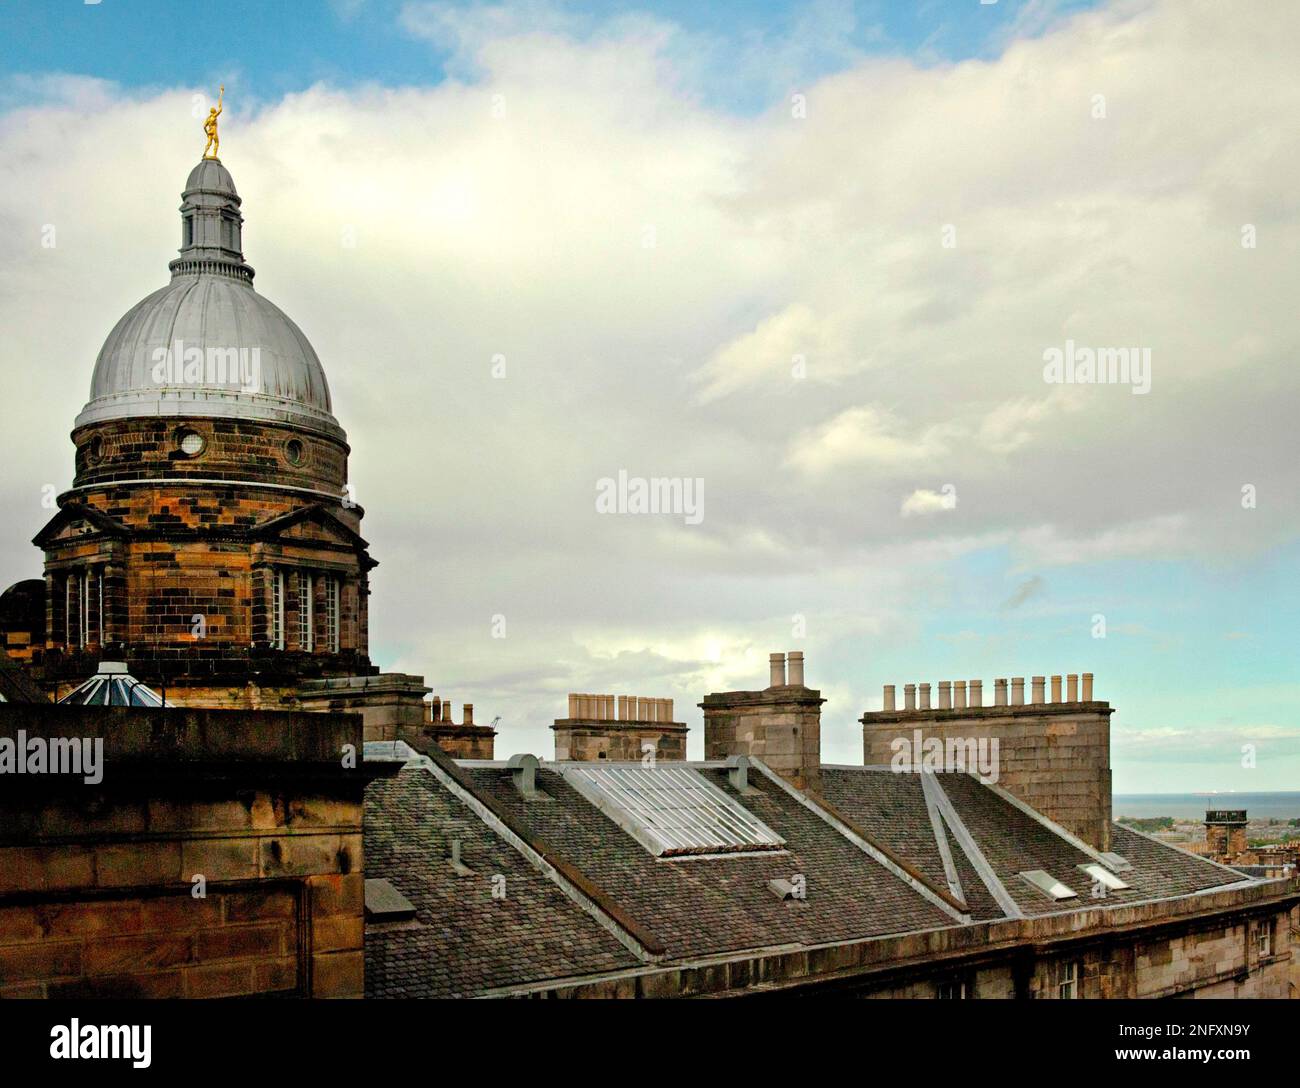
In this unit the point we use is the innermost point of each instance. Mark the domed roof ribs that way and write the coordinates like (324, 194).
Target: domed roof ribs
(208, 344)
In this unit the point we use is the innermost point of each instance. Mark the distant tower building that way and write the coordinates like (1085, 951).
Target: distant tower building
(1225, 831)
(209, 539)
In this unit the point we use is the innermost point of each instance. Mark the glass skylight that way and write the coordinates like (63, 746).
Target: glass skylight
(671, 811)
(1048, 884)
(112, 686)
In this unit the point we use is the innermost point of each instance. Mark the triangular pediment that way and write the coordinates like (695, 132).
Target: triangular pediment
(309, 524)
(76, 521)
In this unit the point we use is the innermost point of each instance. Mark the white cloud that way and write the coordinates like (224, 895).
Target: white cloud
(925, 501)
(649, 265)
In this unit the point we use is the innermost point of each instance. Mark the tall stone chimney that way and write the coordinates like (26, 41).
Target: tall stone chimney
(781, 724)
(619, 728)
(1054, 756)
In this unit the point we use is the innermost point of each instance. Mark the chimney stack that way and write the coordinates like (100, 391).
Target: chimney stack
(1052, 754)
(617, 728)
(780, 725)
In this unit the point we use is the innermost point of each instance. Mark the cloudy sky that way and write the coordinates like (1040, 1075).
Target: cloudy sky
(811, 255)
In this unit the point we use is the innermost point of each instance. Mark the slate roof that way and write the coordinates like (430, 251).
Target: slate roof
(463, 941)
(1012, 842)
(704, 906)
(675, 909)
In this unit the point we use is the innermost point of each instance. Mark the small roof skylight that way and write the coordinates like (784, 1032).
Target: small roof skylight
(1048, 884)
(671, 811)
(1099, 874)
(112, 686)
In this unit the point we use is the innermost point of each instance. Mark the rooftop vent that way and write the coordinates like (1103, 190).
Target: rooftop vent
(1049, 885)
(672, 811)
(384, 903)
(1114, 862)
(1099, 874)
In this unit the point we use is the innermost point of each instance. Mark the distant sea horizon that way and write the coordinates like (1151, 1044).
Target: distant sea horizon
(1277, 805)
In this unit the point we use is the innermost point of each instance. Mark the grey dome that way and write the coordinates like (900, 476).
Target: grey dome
(208, 344)
(212, 176)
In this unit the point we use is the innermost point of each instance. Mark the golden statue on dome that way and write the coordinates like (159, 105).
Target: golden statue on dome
(210, 127)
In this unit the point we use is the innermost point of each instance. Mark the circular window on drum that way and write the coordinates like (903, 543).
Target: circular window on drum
(294, 452)
(190, 443)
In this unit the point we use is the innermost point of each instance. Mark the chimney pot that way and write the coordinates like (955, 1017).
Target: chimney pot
(945, 694)
(977, 693)
(1000, 692)
(959, 694)
(1040, 684)
(909, 697)
(469, 714)
(1087, 687)
(889, 696)
(573, 705)
(446, 711)
(776, 664)
(1017, 691)
(1056, 689)
(1072, 688)
(795, 659)
(925, 696)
